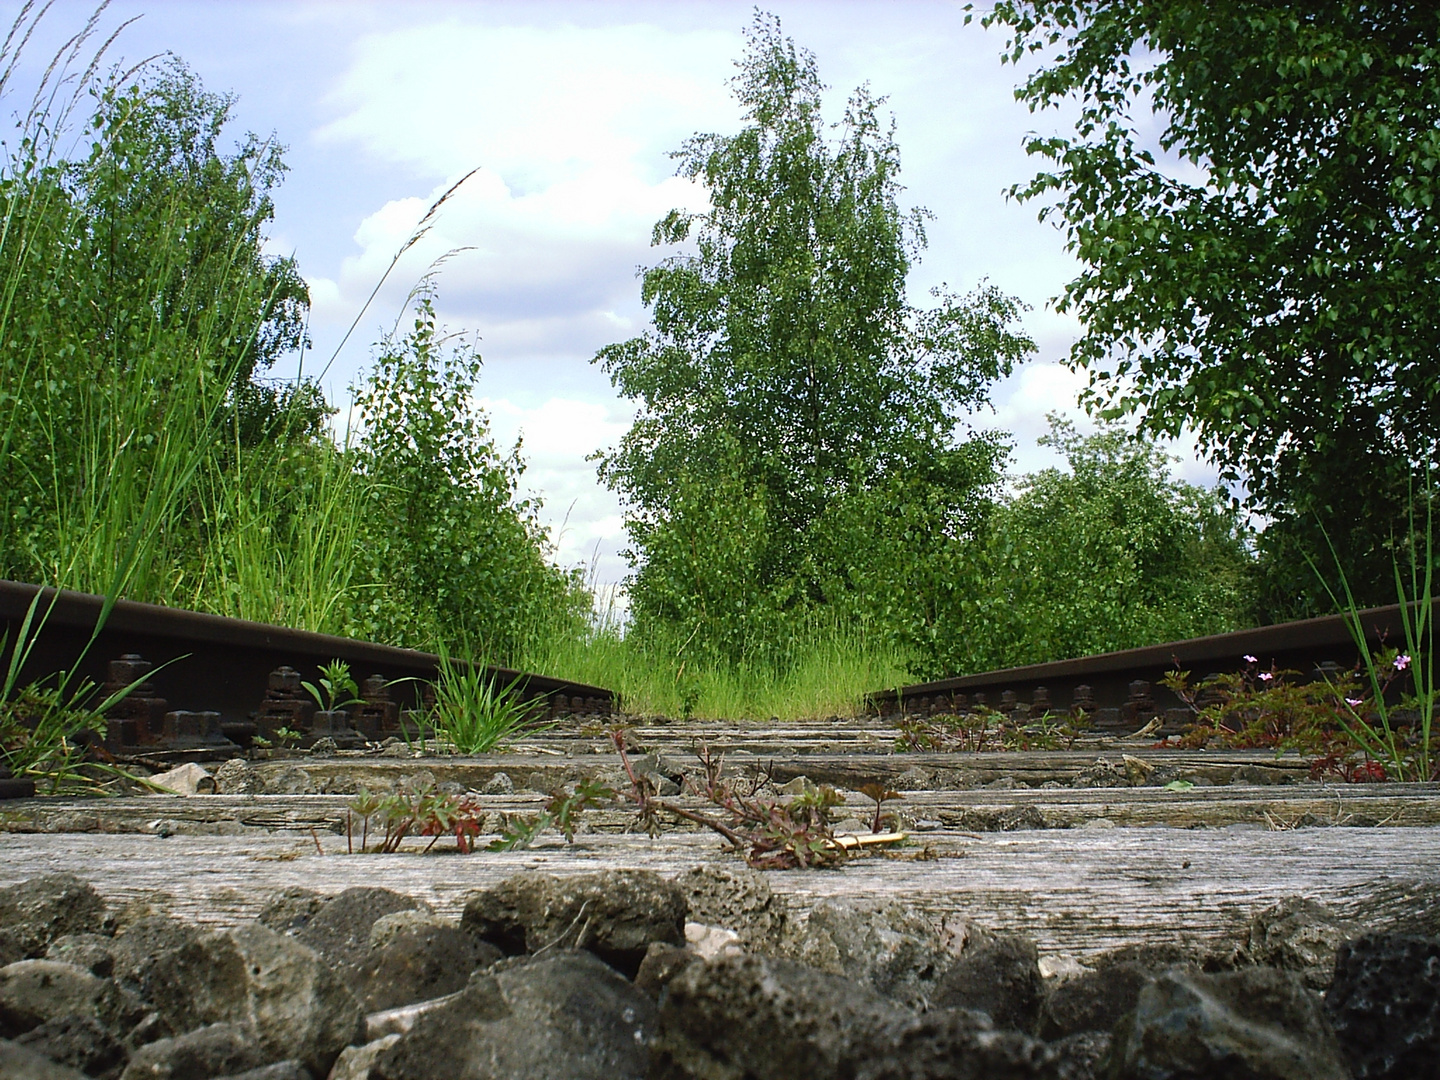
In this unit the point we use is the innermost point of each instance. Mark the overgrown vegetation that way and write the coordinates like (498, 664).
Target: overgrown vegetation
(795, 450)
(1265, 272)
(473, 713)
(811, 517)
(143, 451)
(1111, 554)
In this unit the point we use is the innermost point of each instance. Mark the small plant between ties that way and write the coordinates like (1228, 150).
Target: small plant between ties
(983, 729)
(475, 715)
(423, 811)
(881, 794)
(771, 834)
(428, 811)
(337, 689)
(561, 812)
(1344, 727)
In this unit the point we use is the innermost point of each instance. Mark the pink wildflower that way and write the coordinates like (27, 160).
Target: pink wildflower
(1354, 702)
(1265, 676)
(1249, 659)
(1402, 662)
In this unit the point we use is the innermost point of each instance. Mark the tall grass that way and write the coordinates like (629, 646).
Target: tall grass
(127, 333)
(826, 670)
(114, 390)
(282, 528)
(1408, 752)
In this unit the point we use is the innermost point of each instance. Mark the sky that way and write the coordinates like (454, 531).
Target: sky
(567, 113)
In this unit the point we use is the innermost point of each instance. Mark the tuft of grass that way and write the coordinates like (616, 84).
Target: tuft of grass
(1371, 723)
(473, 713)
(46, 726)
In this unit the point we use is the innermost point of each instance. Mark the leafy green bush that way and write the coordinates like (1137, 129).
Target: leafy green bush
(458, 558)
(135, 308)
(1275, 288)
(1112, 554)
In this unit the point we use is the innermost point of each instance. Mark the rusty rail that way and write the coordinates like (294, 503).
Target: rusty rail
(1120, 689)
(215, 681)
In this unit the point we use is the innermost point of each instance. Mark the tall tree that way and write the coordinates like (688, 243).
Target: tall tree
(1272, 278)
(786, 367)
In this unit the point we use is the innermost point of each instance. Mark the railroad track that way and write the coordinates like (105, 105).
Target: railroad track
(1106, 842)
(1122, 689)
(212, 683)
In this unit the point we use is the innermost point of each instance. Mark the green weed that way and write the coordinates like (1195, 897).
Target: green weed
(474, 713)
(337, 690)
(562, 812)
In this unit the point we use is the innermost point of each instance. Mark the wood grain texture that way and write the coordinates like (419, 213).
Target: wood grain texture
(1076, 892)
(985, 810)
(847, 769)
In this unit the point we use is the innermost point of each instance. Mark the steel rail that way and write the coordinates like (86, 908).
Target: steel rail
(1118, 688)
(201, 665)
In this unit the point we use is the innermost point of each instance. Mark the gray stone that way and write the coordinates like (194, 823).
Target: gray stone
(999, 976)
(890, 948)
(36, 912)
(238, 777)
(1257, 1023)
(915, 778)
(93, 952)
(739, 899)
(287, 911)
(399, 1021)
(1093, 1000)
(80, 1042)
(340, 931)
(661, 964)
(564, 1014)
(417, 961)
(383, 929)
(1385, 1005)
(766, 1018)
(616, 914)
(1154, 956)
(1299, 935)
(499, 784)
(998, 818)
(281, 1070)
(956, 1044)
(1083, 1054)
(187, 779)
(269, 983)
(35, 991)
(1103, 773)
(136, 949)
(354, 1062)
(207, 1052)
(291, 780)
(661, 784)
(21, 1063)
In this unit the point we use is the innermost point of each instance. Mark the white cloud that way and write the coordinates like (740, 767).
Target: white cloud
(538, 105)
(558, 435)
(569, 128)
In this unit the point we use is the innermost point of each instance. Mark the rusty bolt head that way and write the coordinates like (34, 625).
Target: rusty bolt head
(285, 680)
(128, 668)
